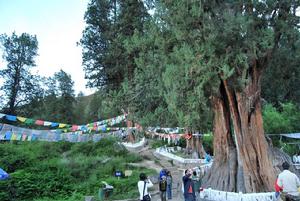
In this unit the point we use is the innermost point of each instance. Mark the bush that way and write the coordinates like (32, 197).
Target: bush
(284, 119)
(208, 143)
(158, 143)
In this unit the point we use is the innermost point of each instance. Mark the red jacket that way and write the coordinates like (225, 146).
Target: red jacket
(277, 187)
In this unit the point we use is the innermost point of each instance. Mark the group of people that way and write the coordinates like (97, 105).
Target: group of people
(287, 185)
(165, 186)
(191, 185)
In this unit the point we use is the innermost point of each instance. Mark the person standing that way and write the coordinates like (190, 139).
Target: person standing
(163, 188)
(143, 186)
(289, 183)
(197, 183)
(188, 184)
(169, 185)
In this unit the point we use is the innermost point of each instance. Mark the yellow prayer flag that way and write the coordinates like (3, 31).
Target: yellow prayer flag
(62, 125)
(14, 136)
(21, 119)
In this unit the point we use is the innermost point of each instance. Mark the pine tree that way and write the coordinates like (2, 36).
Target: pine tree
(19, 53)
(66, 97)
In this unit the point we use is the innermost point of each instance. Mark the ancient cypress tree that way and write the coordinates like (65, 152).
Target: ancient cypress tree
(215, 53)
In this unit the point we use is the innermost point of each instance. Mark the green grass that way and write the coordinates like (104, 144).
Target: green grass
(43, 171)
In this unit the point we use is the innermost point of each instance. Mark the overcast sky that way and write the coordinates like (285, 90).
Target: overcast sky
(58, 25)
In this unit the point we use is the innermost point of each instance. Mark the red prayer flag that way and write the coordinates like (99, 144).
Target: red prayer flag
(74, 127)
(39, 122)
(188, 136)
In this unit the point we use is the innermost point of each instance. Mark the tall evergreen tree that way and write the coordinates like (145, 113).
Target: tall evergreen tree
(215, 52)
(66, 97)
(19, 53)
(110, 24)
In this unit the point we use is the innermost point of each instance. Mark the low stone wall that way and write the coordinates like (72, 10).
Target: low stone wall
(137, 145)
(166, 153)
(215, 195)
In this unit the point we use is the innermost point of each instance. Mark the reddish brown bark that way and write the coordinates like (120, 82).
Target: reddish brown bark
(222, 175)
(130, 136)
(199, 146)
(241, 110)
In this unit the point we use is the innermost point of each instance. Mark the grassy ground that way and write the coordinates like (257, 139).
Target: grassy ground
(44, 171)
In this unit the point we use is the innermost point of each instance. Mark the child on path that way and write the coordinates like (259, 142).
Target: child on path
(163, 188)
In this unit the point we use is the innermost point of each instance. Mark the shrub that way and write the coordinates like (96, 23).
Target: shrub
(208, 143)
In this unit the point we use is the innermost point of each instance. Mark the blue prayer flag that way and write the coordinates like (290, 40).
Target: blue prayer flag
(11, 117)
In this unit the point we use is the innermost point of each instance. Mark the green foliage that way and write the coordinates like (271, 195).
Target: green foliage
(207, 142)
(19, 84)
(190, 47)
(65, 171)
(109, 25)
(158, 143)
(182, 142)
(283, 120)
(281, 81)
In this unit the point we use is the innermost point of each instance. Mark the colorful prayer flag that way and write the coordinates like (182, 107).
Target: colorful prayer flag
(39, 122)
(21, 119)
(74, 128)
(53, 124)
(29, 121)
(11, 117)
(62, 125)
(47, 123)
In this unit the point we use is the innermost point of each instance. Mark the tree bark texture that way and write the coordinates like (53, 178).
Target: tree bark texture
(198, 146)
(242, 161)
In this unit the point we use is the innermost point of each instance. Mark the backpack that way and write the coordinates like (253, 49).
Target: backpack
(163, 185)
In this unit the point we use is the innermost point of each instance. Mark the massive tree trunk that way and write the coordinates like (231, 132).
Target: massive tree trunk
(198, 144)
(240, 111)
(222, 175)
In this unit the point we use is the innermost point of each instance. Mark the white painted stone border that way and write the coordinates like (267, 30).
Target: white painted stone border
(215, 195)
(162, 151)
(135, 145)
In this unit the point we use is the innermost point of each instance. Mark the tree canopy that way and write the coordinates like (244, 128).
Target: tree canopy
(109, 24)
(19, 52)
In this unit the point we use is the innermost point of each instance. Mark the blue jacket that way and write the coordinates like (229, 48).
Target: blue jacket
(162, 173)
(187, 182)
